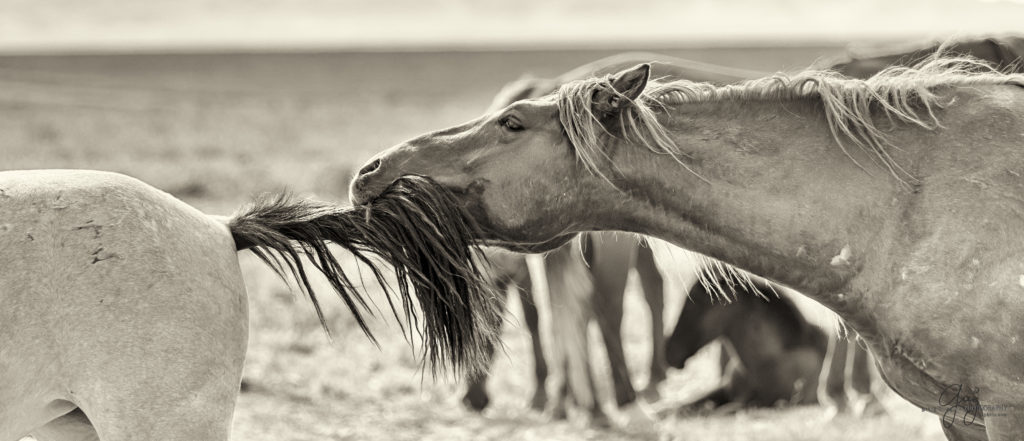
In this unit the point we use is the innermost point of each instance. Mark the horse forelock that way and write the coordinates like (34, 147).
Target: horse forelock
(908, 95)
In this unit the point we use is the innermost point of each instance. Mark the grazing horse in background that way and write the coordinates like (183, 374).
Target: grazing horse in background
(1006, 53)
(771, 354)
(123, 314)
(893, 201)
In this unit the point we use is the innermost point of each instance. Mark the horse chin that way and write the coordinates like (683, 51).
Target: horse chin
(532, 247)
(495, 233)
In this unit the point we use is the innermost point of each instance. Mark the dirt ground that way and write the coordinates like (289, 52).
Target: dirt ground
(216, 129)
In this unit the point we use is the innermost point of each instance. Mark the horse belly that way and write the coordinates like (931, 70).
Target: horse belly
(109, 284)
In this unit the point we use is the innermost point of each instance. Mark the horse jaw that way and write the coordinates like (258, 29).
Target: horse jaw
(532, 247)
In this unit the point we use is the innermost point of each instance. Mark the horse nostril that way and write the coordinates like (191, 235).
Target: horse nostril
(370, 168)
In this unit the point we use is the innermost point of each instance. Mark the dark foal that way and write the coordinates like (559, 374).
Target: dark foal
(771, 354)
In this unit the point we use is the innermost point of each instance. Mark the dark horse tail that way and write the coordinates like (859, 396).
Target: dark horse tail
(418, 229)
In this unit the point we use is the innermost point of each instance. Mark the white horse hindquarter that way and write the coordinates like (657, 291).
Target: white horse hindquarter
(114, 295)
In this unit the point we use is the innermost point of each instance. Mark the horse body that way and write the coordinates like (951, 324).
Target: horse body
(123, 314)
(796, 180)
(80, 328)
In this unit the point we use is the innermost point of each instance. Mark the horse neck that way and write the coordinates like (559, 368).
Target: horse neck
(775, 194)
(692, 333)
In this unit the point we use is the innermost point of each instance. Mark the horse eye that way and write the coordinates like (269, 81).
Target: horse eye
(511, 124)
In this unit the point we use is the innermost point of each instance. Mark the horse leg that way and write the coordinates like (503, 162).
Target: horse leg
(726, 364)
(74, 426)
(580, 377)
(570, 294)
(609, 265)
(710, 401)
(831, 382)
(540, 366)
(597, 416)
(859, 373)
(178, 381)
(737, 388)
(653, 285)
(152, 393)
(181, 418)
(557, 408)
(193, 399)
(476, 397)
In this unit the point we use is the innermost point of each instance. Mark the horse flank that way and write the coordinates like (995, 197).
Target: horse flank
(415, 227)
(902, 94)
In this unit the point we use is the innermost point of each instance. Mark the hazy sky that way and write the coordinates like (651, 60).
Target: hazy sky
(62, 25)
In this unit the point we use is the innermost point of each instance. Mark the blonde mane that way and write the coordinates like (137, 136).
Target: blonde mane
(906, 95)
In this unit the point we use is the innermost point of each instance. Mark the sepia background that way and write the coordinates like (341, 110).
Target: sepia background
(218, 100)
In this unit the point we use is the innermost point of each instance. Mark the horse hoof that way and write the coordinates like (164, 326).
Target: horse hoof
(650, 394)
(637, 413)
(869, 407)
(831, 412)
(556, 413)
(637, 416)
(539, 402)
(598, 420)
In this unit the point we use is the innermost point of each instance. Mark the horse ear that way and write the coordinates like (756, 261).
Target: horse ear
(626, 87)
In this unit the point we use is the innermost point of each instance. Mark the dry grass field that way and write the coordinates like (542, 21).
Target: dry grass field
(216, 129)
